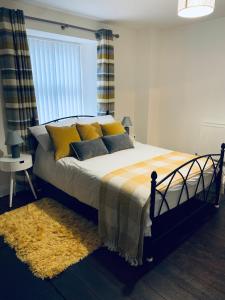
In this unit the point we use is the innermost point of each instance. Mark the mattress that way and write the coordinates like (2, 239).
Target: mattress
(82, 179)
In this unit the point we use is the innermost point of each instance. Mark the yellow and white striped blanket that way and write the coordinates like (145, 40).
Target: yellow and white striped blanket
(124, 198)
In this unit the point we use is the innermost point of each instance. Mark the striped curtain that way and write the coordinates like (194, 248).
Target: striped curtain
(16, 75)
(105, 72)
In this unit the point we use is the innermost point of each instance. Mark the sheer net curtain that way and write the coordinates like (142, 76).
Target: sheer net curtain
(57, 75)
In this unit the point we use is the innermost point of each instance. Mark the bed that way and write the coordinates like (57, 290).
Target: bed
(167, 208)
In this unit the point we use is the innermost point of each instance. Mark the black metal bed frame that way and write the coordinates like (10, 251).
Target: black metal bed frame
(209, 194)
(64, 118)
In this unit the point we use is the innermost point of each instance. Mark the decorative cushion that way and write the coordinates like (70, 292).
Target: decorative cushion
(89, 131)
(112, 128)
(88, 149)
(62, 137)
(117, 142)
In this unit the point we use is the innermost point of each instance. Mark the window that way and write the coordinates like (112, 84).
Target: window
(64, 74)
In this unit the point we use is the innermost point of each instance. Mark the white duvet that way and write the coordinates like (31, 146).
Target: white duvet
(82, 179)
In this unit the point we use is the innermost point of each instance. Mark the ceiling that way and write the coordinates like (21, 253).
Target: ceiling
(137, 13)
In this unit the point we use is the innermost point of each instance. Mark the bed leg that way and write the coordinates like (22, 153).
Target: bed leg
(220, 175)
(150, 257)
(152, 196)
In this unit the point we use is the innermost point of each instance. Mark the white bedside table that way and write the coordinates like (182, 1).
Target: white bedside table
(13, 165)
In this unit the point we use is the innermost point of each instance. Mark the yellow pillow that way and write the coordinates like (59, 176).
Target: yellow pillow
(62, 137)
(113, 128)
(89, 131)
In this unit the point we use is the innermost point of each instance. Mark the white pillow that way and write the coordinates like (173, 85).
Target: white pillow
(42, 136)
(100, 119)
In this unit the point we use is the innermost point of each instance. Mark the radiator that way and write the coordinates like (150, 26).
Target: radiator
(212, 135)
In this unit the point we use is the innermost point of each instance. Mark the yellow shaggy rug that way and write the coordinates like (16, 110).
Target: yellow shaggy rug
(48, 236)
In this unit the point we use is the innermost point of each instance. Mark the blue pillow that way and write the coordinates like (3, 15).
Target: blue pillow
(118, 142)
(88, 149)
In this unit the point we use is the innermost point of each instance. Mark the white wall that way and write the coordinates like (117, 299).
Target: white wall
(147, 89)
(187, 86)
(125, 72)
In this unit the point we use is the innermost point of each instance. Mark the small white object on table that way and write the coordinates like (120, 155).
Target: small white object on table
(13, 165)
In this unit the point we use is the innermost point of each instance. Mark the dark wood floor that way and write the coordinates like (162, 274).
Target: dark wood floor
(195, 270)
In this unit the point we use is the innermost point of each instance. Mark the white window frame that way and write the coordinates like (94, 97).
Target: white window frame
(86, 108)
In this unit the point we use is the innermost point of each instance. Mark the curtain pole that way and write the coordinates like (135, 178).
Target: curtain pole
(64, 25)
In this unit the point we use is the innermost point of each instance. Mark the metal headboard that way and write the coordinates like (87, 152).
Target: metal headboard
(64, 118)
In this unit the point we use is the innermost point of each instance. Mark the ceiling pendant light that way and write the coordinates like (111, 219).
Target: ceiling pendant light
(195, 8)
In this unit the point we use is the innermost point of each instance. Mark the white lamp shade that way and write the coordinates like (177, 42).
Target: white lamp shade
(195, 8)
